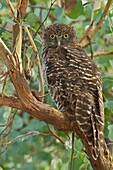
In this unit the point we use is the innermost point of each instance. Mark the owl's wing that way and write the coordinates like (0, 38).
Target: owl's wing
(89, 110)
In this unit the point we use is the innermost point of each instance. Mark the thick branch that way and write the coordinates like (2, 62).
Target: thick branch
(38, 110)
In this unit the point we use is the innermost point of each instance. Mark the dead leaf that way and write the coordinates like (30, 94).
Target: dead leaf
(97, 5)
(69, 5)
(22, 5)
(60, 3)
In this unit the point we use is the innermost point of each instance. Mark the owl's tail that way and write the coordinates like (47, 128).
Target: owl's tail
(89, 122)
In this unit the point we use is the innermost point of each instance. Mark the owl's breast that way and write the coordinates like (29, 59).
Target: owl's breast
(58, 75)
(67, 75)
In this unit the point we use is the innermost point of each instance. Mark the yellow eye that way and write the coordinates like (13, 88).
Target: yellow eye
(66, 36)
(52, 36)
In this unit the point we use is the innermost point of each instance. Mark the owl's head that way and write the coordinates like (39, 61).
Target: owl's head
(59, 34)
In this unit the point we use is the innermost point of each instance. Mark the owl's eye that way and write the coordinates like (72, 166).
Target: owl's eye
(66, 36)
(52, 36)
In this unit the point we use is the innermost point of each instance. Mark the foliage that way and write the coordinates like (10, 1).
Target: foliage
(39, 151)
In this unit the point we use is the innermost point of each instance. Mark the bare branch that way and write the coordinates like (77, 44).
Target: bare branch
(22, 5)
(40, 7)
(38, 61)
(52, 3)
(10, 6)
(18, 40)
(55, 135)
(72, 152)
(97, 54)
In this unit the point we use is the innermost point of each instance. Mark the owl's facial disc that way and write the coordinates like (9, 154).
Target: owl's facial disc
(59, 35)
(61, 39)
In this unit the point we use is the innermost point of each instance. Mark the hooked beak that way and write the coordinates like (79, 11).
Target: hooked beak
(59, 43)
(59, 40)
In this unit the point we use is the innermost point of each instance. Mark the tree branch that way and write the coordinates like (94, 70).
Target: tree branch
(10, 101)
(97, 54)
(38, 63)
(17, 28)
(85, 41)
(38, 110)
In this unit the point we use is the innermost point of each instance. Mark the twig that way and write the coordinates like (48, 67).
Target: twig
(49, 143)
(7, 52)
(41, 7)
(38, 61)
(102, 18)
(9, 124)
(4, 83)
(97, 54)
(5, 30)
(72, 152)
(21, 136)
(31, 133)
(10, 6)
(18, 38)
(52, 3)
(91, 50)
(17, 51)
(87, 32)
(56, 136)
(4, 74)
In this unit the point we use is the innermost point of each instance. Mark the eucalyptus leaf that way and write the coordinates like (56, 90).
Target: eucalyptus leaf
(76, 11)
(109, 105)
(18, 122)
(110, 134)
(31, 18)
(58, 12)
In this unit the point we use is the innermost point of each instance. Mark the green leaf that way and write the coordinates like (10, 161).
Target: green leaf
(28, 166)
(6, 35)
(31, 18)
(11, 21)
(25, 24)
(18, 122)
(110, 133)
(58, 12)
(109, 105)
(97, 15)
(76, 11)
(111, 63)
(76, 163)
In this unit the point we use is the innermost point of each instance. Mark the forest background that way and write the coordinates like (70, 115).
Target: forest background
(25, 142)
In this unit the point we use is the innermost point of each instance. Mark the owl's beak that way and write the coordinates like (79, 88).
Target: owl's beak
(59, 40)
(59, 43)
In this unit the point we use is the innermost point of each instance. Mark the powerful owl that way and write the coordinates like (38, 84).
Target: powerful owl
(74, 82)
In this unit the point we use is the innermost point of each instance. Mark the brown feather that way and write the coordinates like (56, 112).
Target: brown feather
(74, 82)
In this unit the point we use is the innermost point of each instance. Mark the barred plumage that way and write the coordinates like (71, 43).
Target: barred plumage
(74, 82)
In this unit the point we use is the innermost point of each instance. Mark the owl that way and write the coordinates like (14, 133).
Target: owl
(74, 83)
